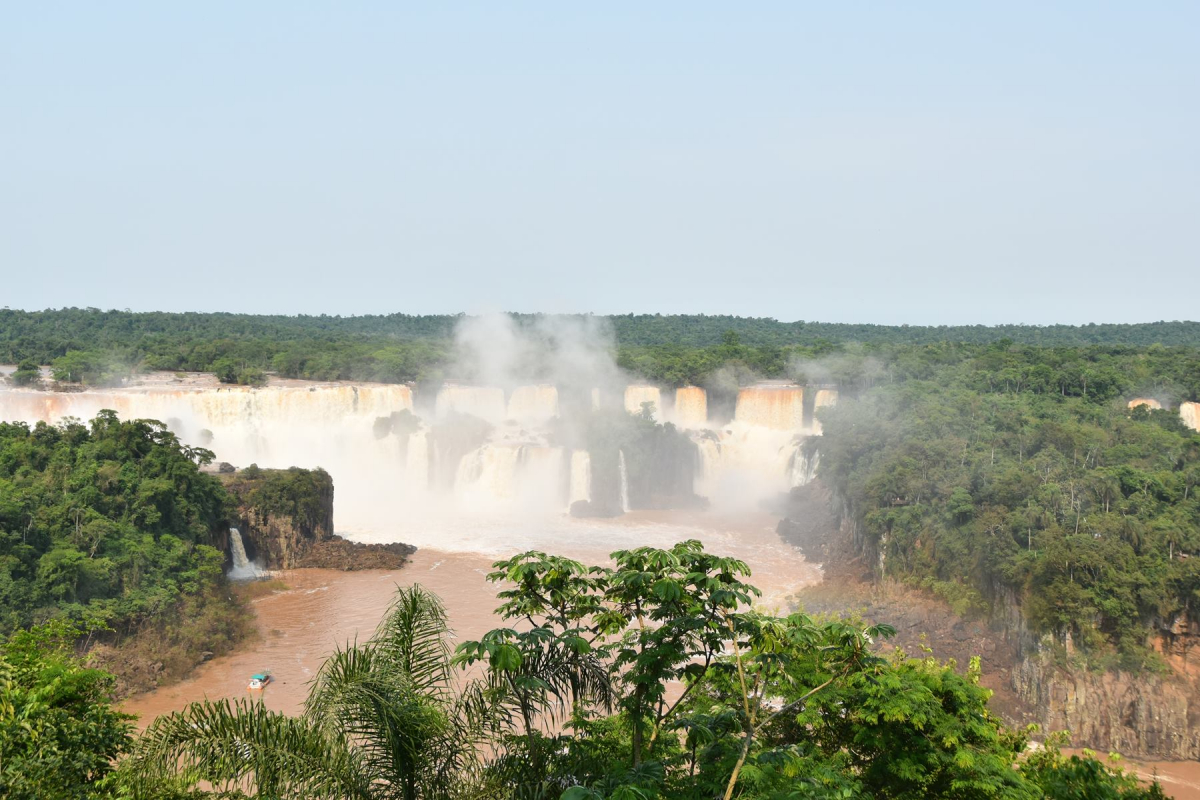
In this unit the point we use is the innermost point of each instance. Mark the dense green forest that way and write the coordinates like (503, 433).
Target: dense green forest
(109, 524)
(987, 465)
(1000, 474)
(93, 346)
(646, 680)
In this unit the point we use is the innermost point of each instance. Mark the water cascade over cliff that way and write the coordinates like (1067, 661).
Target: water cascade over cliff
(542, 478)
(485, 402)
(282, 425)
(481, 452)
(636, 395)
(243, 568)
(237, 410)
(581, 478)
(823, 398)
(416, 458)
(623, 472)
(780, 407)
(532, 404)
(762, 450)
(488, 474)
(1190, 414)
(691, 407)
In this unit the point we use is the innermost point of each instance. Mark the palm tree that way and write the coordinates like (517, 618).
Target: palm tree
(415, 736)
(383, 720)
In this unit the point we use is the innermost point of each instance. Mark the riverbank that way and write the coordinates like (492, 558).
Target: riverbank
(318, 611)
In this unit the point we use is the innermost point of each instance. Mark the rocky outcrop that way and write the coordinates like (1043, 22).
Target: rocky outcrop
(1142, 716)
(339, 553)
(285, 518)
(281, 513)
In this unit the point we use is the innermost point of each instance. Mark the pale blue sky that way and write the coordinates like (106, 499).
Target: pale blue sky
(898, 162)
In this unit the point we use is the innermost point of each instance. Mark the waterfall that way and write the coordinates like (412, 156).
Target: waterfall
(595, 399)
(802, 469)
(489, 473)
(624, 478)
(541, 480)
(416, 459)
(824, 397)
(1190, 414)
(636, 395)
(581, 477)
(243, 569)
(485, 402)
(277, 426)
(710, 457)
(533, 403)
(777, 407)
(691, 407)
(416, 467)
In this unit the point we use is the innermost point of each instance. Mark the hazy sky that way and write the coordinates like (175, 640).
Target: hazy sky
(881, 162)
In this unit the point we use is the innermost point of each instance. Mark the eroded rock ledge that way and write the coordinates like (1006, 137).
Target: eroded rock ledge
(285, 518)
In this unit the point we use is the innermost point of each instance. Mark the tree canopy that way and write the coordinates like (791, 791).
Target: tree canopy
(111, 521)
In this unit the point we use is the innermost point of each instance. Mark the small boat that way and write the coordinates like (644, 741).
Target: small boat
(259, 681)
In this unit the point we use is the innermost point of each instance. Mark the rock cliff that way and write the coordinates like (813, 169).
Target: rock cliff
(286, 522)
(1142, 716)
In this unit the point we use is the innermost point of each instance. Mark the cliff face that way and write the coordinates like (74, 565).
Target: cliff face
(285, 518)
(1144, 715)
(281, 514)
(1141, 715)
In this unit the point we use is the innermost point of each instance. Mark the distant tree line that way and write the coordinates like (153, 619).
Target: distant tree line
(90, 346)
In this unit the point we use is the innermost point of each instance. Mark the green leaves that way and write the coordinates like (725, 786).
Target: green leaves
(768, 707)
(505, 657)
(227, 743)
(59, 734)
(667, 590)
(581, 793)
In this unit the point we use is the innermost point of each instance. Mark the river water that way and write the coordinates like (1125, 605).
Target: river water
(324, 609)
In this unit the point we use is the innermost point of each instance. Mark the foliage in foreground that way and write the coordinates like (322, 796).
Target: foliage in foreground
(650, 679)
(59, 734)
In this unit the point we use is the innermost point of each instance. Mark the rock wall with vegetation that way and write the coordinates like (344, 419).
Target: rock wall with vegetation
(285, 518)
(281, 514)
(660, 463)
(1150, 713)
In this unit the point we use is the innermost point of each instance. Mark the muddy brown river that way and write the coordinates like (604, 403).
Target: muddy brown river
(324, 609)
